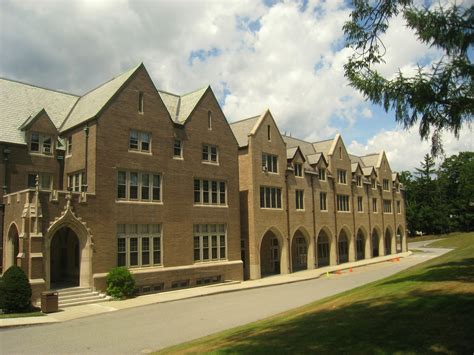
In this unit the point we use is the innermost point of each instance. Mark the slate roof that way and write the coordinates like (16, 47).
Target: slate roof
(242, 128)
(371, 159)
(306, 147)
(314, 158)
(180, 107)
(91, 103)
(323, 146)
(20, 102)
(290, 152)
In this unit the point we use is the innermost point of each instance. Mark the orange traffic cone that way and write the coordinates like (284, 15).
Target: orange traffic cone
(350, 270)
(338, 272)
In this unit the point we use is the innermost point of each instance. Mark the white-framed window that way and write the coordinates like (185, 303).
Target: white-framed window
(210, 153)
(210, 192)
(342, 203)
(399, 207)
(374, 205)
(322, 174)
(141, 102)
(45, 181)
(41, 143)
(360, 204)
(270, 197)
(138, 245)
(359, 180)
(386, 185)
(299, 196)
(387, 206)
(77, 181)
(69, 146)
(139, 141)
(341, 176)
(178, 148)
(373, 183)
(323, 205)
(269, 163)
(210, 242)
(298, 169)
(138, 186)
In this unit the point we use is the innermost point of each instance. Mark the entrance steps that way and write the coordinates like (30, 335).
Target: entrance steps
(75, 296)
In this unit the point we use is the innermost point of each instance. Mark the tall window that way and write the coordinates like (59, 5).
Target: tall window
(139, 141)
(360, 205)
(340, 152)
(178, 148)
(359, 180)
(323, 201)
(45, 181)
(269, 133)
(374, 205)
(343, 203)
(210, 242)
(387, 206)
(210, 192)
(138, 245)
(69, 146)
(299, 195)
(341, 176)
(322, 174)
(138, 186)
(373, 183)
(209, 120)
(270, 163)
(298, 169)
(386, 185)
(209, 153)
(399, 207)
(270, 197)
(40, 143)
(140, 102)
(77, 182)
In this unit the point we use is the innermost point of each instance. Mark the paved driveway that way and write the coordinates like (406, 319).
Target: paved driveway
(141, 329)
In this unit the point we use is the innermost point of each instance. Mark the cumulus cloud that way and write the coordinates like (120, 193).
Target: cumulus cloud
(288, 57)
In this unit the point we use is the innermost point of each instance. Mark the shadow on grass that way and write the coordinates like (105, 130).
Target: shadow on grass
(420, 322)
(462, 271)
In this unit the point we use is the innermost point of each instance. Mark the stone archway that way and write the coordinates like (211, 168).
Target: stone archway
(388, 241)
(300, 251)
(375, 243)
(270, 254)
(399, 240)
(343, 247)
(323, 246)
(65, 259)
(12, 246)
(360, 244)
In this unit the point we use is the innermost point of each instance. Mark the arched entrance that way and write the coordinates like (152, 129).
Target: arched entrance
(360, 245)
(343, 247)
(323, 246)
(299, 252)
(388, 242)
(375, 243)
(399, 240)
(13, 246)
(270, 254)
(65, 259)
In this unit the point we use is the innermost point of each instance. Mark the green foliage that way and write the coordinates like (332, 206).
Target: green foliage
(15, 291)
(441, 201)
(120, 283)
(441, 96)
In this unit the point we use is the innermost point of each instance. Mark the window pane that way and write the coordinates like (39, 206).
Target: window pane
(262, 197)
(197, 191)
(196, 249)
(214, 153)
(214, 246)
(278, 198)
(133, 142)
(145, 187)
(145, 251)
(156, 187)
(205, 152)
(156, 250)
(145, 138)
(133, 251)
(214, 191)
(122, 177)
(121, 256)
(205, 187)
(222, 193)
(133, 186)
(47, 145)
(222, 246)
(34, 145)
(205, 246)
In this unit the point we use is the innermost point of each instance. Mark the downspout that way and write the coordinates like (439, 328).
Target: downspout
(314, 219)
(383, 220)
(370, 223)
(86, 163)
(394, 205)
(354, 223)
(288, 223)
(335, 219)
(6, 154)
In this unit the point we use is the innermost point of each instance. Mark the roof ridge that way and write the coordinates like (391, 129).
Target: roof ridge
(298, 139)
(168, 93)
(325, 140)
(244, 119)
(40, 87)
(194, 91)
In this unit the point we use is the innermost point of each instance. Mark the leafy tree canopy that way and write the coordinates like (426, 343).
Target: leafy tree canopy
(441, 96)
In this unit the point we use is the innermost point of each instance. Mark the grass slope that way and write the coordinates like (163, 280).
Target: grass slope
(427, 308)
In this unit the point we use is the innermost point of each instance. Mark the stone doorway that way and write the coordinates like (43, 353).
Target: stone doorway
(270, 253)
(299, 253)
(65, 259)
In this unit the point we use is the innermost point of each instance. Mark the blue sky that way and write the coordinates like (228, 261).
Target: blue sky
(284, 55)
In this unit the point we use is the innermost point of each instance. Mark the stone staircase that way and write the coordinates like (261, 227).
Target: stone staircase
(75, 296)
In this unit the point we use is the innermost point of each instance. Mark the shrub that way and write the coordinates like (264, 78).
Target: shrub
(15, 291)
(120, 283)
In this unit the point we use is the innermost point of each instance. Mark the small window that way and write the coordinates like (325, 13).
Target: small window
(374, 205)
(341, 176)
(340, 152)
(299, 194)
(140, 102)
(269, 163)
(209, 153)
(360, 205)
(69, 146)
(399, 207)
(386, 185)
(299, 170)
(323, 201)
(209, 120)
(343, 203)
(387, 206)
(359, 180)
(373, 183)
(40, 143)
(139, 141)
(269, 133)
(178, 148)
(322, 174)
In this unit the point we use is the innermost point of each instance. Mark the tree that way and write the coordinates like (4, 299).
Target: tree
(441, 97)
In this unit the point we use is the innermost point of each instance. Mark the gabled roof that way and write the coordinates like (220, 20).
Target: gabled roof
(395, 177)
(291, 153)
(91, 104)
(369, 170)
(241, 129)
(180, 107)
(371, 160)
(20, 102)
(356, 166)
(323, 146)
(306, 147)
(314, 159)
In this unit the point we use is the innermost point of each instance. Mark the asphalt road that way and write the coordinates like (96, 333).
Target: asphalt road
(147, 328)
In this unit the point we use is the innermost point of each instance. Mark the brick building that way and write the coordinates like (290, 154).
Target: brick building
(160, 183)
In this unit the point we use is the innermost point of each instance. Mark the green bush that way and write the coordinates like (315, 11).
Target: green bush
(15, 291)
(120, 283)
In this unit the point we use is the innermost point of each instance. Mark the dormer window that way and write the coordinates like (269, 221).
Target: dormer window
(322, 174)
(359, 180)
(140, 102)
(298, 170)
(373, 183)
(40, 143)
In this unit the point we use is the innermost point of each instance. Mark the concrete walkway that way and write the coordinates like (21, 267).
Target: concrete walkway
(76, 312)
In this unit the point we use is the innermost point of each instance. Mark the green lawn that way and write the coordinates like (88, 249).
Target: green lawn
(19, 315)
(427, 308)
